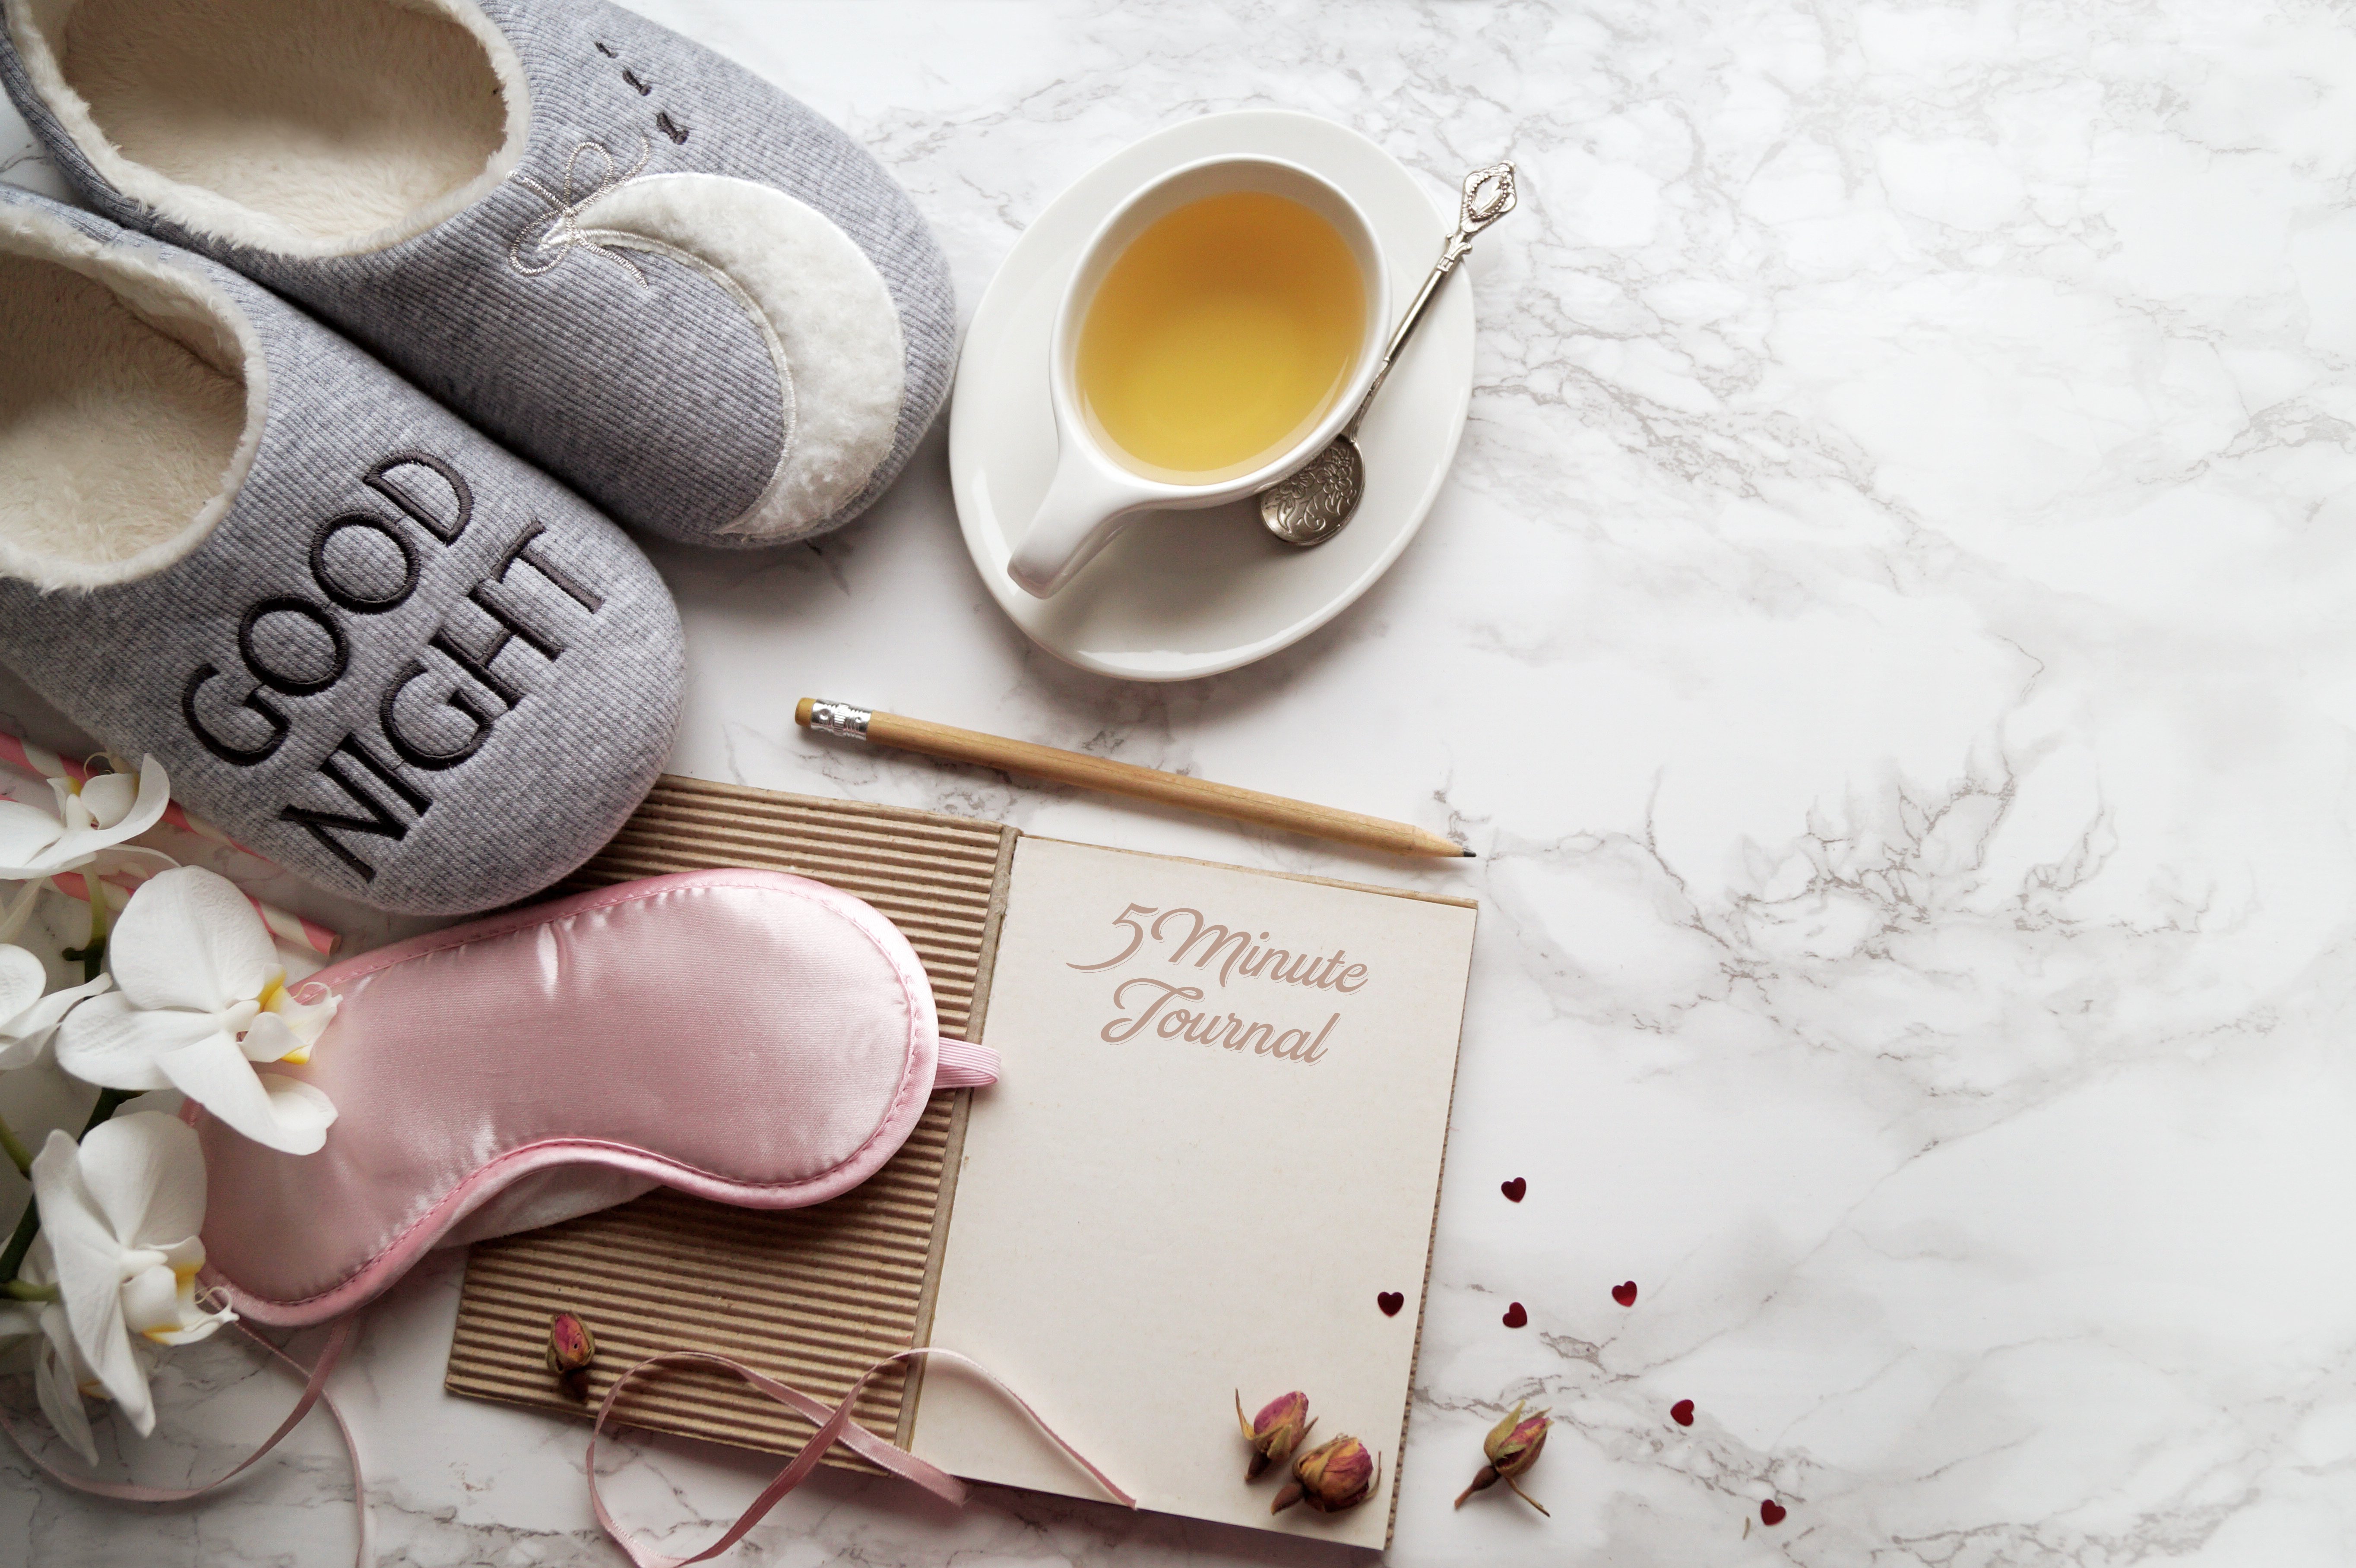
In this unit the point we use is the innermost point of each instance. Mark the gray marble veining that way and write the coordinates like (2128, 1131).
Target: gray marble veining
(1895, 584)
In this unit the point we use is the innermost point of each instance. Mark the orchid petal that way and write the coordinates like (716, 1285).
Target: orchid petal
(303, 1110)
(159, 1305)
(88, 1257)
(107, 797)
(146, 1173)
(21, 1037)
(57, 1380)
(192, 1327)
(270, 1039)
(150, 1299)
(109, 1041)
(191, 1322)
(274, 1111)
(23, 978)
(27, 833)
(188, 939)
(308, 1021)
(155, 796)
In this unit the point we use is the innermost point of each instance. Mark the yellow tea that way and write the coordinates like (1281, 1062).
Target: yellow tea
(1220, 337)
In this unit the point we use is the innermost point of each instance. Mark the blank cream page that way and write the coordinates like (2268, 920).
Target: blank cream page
(1216, 1144)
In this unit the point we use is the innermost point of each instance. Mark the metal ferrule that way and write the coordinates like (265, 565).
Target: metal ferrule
(840, 719)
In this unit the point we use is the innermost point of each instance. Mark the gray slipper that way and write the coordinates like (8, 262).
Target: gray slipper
(364, 641)
(636, 264)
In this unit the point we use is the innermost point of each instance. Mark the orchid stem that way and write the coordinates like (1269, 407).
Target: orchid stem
(94, 954)
(21, 1291)
(14, 1147)
(28, 1225)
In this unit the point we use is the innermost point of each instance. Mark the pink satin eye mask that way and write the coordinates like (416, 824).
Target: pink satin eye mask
(746, 1036)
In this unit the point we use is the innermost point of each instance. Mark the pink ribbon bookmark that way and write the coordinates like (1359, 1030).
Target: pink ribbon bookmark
(834, 1426)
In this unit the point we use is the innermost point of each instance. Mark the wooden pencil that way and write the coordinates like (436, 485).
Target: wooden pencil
(954, 745)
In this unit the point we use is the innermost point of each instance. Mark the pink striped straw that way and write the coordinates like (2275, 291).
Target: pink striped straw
(42, 762)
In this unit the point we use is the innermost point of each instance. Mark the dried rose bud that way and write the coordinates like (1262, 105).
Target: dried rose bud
(1331, 1478)
(1513, 1446)
(570, 1348)
(1275, 1432)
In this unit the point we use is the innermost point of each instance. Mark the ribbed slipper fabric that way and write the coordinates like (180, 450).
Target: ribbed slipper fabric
(366, 641)
(636, 264)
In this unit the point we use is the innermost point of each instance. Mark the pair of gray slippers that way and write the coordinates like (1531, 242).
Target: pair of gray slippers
(325, 576)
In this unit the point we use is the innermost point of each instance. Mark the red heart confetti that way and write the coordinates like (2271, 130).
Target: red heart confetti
(1682, 1412)
(1515, 1317)
(1513, 1189)
(1390, 1301)
(1625, 1294)
(1771, 1512)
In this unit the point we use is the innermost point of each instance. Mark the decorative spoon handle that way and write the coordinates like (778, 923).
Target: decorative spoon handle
(1488, 195)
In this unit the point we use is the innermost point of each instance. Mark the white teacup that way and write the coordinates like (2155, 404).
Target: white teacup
(1096, 493)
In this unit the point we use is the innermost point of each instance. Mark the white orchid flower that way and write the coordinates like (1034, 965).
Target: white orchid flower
(61, 1377)
(28, 1018)
(200, 998)
(120, 1212)
(94, 819)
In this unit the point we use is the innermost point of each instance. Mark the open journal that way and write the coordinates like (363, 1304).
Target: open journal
(1213, 1160)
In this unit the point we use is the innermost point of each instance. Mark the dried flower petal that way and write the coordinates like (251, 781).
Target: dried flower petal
(1331, 1476)
(1275, 1432)
(1513, 1445)
(570, 1348)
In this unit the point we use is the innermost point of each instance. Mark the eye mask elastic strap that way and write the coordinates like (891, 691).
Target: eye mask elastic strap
(834, 1426)
(964, 1065)
(315, 1391)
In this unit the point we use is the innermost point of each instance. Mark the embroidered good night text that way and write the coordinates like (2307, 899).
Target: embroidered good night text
(358, 792)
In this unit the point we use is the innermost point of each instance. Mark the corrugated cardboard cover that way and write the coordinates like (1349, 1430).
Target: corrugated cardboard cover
(811, 1297)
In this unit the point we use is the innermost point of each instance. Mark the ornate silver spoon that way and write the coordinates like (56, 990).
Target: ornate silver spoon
(1315, 502)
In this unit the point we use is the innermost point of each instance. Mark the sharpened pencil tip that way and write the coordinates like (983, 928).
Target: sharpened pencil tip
(1470, 856)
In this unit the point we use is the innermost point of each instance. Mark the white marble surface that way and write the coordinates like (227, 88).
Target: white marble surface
(1888, 636)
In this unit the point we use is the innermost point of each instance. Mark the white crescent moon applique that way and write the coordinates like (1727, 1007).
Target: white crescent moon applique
(831, 328)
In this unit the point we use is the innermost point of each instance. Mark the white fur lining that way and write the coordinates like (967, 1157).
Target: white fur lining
(306, 213)
(47, 537)
(824, 309)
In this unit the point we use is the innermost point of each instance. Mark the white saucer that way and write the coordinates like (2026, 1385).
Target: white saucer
(1184, 594)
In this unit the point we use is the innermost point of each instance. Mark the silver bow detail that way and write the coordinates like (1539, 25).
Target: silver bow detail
(541, 245)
